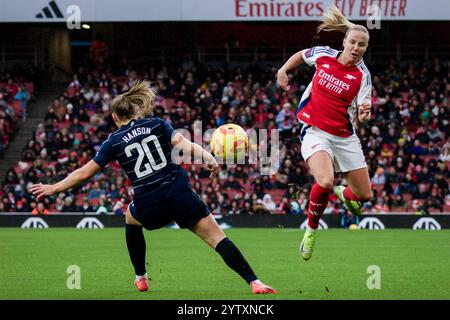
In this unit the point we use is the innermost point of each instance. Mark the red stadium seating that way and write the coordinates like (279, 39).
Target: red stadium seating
(29, 87)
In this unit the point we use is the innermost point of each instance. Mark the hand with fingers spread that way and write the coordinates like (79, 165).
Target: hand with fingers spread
(42, 190)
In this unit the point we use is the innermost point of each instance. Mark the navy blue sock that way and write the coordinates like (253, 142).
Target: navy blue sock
(235, 260)
(136, 248)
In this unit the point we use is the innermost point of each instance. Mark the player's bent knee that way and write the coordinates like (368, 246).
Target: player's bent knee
(325, 182)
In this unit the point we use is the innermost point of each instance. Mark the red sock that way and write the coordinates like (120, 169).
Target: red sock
(318, 200)
(349, 195)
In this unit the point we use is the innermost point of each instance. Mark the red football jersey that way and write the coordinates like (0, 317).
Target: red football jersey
(330, 100)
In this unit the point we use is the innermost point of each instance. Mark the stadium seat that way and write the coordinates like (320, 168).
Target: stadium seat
(64, 125)
(231, 193)
(277, 211)
(29, 87)
(407, 197)
(428, 158)
(277, 195)
(79, 198)
(103, 91)
(17, 106)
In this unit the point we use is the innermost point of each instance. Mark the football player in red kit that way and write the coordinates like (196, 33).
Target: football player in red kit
(340, 88)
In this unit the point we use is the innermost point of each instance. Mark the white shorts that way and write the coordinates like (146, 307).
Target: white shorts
(346, 153)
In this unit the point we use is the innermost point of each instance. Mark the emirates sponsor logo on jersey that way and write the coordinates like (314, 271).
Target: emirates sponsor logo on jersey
(332, 83)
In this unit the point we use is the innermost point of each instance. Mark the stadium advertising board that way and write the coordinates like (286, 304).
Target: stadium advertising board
(371, 222)
(217, 10)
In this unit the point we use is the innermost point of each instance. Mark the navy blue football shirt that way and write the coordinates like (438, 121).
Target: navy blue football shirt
(143, 148)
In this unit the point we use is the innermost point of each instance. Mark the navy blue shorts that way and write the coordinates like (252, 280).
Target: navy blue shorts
(185, 208)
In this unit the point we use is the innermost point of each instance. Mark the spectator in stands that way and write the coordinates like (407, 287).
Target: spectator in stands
(2, 139)
(286, 120)
(445, 152)
(239, 173)
(379, 177)
(348, 219)
(291, 192)
(433, 202)
(434, 133)
(118, 209)
(96, 192)
(259, 208)
(248, 207)
(20, 207)
(69, 205)
(417, 148)
(398, 202)
(268, 203)
(86, 206)
(11, 177)
(103, 207)
(23, 96)
(75, 83)
(422, 192)
(223, 172)
(247, 96)
(235, 208)
(232, 184)
(303, 202)
(298, 177)
(40, 209)
(386, 152)
(285, 205)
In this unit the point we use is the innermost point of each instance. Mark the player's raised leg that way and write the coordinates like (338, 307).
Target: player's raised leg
(357, 191)
(210, 232)
(321, 167)
(136, 248)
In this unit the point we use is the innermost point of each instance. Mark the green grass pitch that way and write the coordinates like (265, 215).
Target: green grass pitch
(413, 265)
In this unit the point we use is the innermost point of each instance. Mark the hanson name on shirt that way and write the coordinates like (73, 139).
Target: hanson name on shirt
(135, 132)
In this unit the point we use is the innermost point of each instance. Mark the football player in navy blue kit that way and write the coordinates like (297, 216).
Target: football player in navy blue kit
(162, 193)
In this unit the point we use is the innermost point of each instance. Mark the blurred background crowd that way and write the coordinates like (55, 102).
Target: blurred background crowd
(406, 143)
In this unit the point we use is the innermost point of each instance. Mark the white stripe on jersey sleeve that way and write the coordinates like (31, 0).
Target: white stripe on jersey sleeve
(311, 55)
(365, 91)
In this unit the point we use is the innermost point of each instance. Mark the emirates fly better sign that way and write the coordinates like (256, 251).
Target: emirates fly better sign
(217, 10)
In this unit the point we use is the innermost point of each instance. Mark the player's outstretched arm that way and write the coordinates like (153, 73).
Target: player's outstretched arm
(294, 61)
(197, 151)
(73, 179)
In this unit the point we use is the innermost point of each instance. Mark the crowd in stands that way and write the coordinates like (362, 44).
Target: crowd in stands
(406, 143)
(15, 95)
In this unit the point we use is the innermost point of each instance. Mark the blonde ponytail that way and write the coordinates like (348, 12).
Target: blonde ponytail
(334, 20)
(137, 102)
